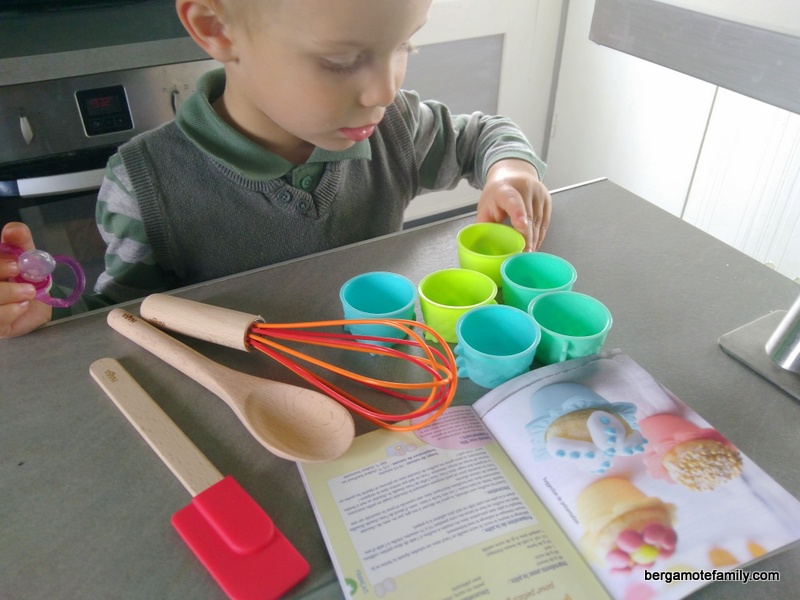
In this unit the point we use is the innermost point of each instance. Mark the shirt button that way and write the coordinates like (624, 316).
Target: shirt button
(304, 205)
(306, 182)
(284, 197)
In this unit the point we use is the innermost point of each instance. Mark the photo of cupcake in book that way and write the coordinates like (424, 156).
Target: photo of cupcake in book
(698, 458)
(623, 528)
(574, 423)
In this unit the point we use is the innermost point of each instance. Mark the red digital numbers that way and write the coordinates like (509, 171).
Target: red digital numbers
(100, 103)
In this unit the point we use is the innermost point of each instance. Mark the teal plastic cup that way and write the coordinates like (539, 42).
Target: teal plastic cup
(378, 295)
(530, 274)
(572, 324)
(495, 343)
(447, 294)
(483, 247)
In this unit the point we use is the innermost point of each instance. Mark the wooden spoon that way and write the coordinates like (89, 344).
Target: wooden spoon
(289, 421)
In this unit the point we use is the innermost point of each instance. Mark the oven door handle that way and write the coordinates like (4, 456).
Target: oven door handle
(53, 185)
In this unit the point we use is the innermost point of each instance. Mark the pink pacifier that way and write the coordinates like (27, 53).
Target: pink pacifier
(36, 266)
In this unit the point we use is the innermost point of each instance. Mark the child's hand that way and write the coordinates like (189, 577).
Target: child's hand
(19, 312)
(513, 190)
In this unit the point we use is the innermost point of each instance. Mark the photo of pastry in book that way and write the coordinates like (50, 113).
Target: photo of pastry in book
(585, 479)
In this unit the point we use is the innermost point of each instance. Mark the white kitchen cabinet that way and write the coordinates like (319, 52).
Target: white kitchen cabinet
(746, 189)
(724, 162)
(616, 116)
(528, 30)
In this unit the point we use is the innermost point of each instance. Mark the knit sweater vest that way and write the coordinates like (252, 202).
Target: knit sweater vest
(189, 202)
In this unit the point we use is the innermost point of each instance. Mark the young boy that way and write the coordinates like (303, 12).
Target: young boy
(304, 142)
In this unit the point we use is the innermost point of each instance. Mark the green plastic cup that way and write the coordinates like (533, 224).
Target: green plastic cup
(572, 324)
(529, 274)
(447, 294)
(483, 247)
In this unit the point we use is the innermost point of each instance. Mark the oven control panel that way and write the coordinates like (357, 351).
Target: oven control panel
(58, 118)
(104, 110)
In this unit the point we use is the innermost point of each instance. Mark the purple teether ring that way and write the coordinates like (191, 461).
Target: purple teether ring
(36, 267)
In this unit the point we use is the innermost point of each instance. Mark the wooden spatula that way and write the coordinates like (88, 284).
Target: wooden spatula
(231, 535)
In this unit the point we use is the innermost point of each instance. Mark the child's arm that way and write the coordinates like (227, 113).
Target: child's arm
(19, 312)
(490, 152)
(513, 189)
(131, 270)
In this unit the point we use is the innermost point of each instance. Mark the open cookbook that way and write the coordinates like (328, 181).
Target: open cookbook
(584, 479)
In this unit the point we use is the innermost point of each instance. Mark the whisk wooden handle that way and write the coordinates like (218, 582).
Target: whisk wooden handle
(202, 321)
(211, 375)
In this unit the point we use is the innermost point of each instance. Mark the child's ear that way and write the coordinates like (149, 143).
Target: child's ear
(208, 30)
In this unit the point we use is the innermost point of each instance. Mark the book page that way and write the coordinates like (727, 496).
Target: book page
(646, 489)
(440, 514)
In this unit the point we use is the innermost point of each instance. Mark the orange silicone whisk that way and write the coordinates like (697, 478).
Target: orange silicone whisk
(431, 396)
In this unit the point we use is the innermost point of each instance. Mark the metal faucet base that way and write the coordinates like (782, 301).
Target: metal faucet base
(747, 344)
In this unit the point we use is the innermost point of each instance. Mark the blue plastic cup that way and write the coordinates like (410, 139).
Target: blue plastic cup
(378, 295)
(529, 274)
(495, 343)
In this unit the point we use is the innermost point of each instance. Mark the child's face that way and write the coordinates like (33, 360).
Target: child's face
(319, 73)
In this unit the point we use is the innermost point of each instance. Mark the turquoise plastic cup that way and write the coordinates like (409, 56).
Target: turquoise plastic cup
(484, 246)
(378, 295)
(530, 274)
(447, 294)
(495, 343)
(572, 324)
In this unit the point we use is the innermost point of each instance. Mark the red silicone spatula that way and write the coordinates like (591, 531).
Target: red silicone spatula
(231, 535)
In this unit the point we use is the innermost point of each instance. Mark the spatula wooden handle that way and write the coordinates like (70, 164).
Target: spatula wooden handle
(202, 321)
(177, 451)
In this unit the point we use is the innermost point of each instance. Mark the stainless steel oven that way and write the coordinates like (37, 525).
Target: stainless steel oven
(58, 135)
(77, 79)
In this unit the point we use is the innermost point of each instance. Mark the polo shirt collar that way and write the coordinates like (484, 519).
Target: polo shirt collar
(204, 127)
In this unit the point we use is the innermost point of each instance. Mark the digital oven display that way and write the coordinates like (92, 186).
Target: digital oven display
(104, 110)
(102, 105)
